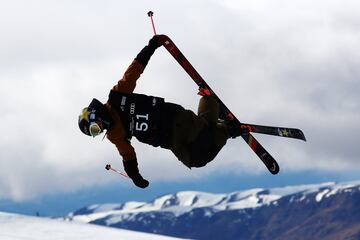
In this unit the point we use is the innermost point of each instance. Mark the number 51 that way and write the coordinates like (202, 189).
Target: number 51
(142, 126)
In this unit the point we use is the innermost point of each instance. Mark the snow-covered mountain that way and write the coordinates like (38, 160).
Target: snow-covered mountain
(19, 227)
(277, 213)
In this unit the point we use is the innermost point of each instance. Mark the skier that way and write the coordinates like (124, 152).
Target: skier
(195, 139)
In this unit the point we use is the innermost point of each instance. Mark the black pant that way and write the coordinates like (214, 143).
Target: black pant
(197, 139)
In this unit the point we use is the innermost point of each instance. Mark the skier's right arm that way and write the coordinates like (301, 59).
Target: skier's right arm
(128, 82)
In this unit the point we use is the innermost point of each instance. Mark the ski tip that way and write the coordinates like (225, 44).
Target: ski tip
(270, 163)
(302, 135)
(274, 169)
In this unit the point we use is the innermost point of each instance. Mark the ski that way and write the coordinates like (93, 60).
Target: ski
(225, 113)
(275, 131)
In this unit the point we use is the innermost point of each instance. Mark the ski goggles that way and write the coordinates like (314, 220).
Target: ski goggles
(95, 129)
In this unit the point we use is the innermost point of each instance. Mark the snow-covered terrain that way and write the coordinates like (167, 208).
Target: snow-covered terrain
(19, 227)
(184, 202)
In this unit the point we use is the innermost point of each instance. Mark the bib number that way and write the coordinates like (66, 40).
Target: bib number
(141, 123)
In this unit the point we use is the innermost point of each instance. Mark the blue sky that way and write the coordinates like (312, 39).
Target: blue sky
(63, 203)
(272, 62)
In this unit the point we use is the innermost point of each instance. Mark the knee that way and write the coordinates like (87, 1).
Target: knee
(208, 108)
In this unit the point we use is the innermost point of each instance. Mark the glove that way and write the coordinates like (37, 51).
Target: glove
(145, 54)
(155, 42)
(132, 170)
(140, 182)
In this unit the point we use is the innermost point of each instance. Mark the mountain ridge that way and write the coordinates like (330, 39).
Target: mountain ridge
(257, 213)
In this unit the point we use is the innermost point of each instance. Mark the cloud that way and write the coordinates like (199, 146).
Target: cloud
(274, 63)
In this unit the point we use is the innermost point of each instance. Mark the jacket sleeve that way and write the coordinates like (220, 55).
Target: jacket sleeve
(117, 135)
(127, 84)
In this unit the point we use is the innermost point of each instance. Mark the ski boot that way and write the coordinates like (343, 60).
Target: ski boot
(234, 129)
(204, 92)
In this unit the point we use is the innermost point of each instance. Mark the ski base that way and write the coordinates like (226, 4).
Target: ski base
(261, 152)
(275, 131)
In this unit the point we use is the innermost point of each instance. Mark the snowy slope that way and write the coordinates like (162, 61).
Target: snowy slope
(184, 202)
(18, 227)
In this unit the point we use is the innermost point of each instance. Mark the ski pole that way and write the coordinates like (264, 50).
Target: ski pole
(150, 14)
(108, 167)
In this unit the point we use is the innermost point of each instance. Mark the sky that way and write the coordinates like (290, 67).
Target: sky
(272, 62)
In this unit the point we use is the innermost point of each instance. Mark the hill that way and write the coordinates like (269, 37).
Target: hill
(20, 227)
(319, 211)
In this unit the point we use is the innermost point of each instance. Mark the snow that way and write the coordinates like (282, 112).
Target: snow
(309, 188)
(19, 227)
(321, 194)
(336, 188)
(103, 207)
(104, 210)
(199, 199)
(182, 202)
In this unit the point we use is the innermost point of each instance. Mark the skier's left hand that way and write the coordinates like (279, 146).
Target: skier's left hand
(132, 170)
(139, 181)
